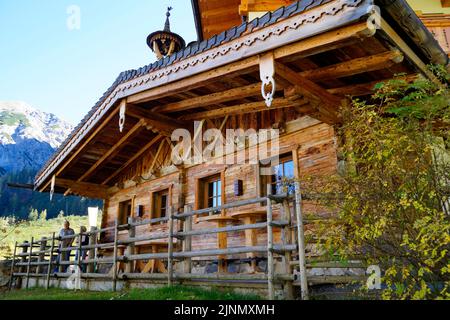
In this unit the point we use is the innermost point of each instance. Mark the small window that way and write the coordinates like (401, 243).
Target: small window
(210, 192)
(160, 204)
(124, 211)
(281, 178)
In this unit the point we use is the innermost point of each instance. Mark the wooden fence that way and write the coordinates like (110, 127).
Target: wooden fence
(48, 252)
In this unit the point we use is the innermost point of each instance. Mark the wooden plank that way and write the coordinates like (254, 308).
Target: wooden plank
(403, 46)
(30, 253)
(113, 151)
(187, 240)
(196, 81)
(50, 262)
(355, 66)
(11, 279)
(211, 99)
(170, 248)
(326, 103)
(270, 259)
(286, 238)
(115, 252)
(344, 69)
(84, 188)
(80, 148)
(245, 108)
(136, 156)
(362, 89)
(301, 242)
(154, 121)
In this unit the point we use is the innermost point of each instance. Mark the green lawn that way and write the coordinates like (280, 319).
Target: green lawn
(163, 293)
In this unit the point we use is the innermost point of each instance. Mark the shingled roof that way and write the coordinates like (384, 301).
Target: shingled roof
(196, 48)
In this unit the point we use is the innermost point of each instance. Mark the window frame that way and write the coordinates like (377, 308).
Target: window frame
(123, 215)
(201, 191)
(155, 209)
(263, 180)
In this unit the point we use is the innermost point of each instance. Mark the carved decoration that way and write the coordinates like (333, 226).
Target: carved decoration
(52, 187)
(267, 73)
(122, 111)
(290, 24)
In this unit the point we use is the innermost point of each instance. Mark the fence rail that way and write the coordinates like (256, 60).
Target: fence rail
(51, 252)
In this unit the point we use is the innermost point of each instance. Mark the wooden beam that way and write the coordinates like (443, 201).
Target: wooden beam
(196, 81)
(344, 69)
(406, 49)
(113, 151)
(363, 89)
(136, 156)
(355, 66)
(326, 103)
(248, 6)
(83, 188)
(155, 158)
(211, 99)
(79, 149)
(155, 121)
(251, 107)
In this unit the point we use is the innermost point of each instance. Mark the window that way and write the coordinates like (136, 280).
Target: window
(281, 177)
(160, 204)
(214, 193)
(210, 192)
(124, 211)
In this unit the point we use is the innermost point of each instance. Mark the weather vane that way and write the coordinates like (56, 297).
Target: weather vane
(164, 43)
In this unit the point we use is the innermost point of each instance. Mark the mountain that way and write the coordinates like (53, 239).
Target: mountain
(28, 137)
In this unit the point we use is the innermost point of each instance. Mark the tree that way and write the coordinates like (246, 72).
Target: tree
(34, 215)
(391, 201)
(43, 215)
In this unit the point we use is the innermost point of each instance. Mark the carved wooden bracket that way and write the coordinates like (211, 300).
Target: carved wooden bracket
(52, 187)
(123, 109)
(267, 73)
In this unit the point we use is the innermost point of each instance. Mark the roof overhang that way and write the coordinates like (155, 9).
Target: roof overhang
(283, 33)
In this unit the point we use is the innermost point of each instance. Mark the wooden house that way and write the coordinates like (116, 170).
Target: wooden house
(280, 64)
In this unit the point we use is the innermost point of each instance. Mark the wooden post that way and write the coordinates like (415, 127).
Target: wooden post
(170, 249)
(13, 262)
(301, 242)
(23, 260)
(270, 261)
(79, 250)
(91, 253)
(50, 262)
(130, 248)
(29, 263)
(41, 257)
(116, 236)
(187, 241)
(286, 238)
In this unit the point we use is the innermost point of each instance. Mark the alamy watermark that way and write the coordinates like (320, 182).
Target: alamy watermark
(237, 146)
(73, 21)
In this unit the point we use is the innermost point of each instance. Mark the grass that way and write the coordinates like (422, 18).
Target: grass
(39, 228)
(163, 293)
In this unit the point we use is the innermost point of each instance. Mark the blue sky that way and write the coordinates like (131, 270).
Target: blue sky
(65, 71)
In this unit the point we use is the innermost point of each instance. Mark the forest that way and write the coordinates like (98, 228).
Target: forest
(19, 202)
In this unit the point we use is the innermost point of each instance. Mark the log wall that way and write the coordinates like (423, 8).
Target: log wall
(316, 155)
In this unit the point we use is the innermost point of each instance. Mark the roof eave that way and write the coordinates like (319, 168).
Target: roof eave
(197, 19)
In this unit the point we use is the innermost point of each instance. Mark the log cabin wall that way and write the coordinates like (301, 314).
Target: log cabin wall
(316, 154)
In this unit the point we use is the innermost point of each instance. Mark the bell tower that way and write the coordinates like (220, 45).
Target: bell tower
(164, 42)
